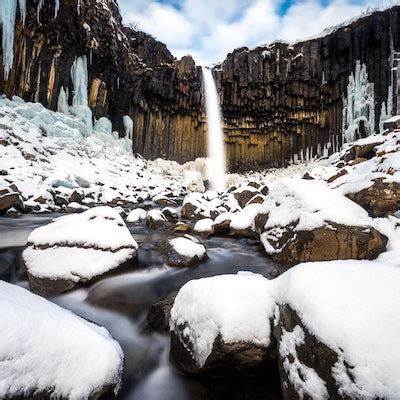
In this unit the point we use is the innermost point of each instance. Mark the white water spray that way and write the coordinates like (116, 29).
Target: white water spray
(215, 135)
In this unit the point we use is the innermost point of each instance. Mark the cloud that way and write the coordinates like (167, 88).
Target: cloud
(209, 29)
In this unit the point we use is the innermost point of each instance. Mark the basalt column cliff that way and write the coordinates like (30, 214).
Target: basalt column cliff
(280, 103)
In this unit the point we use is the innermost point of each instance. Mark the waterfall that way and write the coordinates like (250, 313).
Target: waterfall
(215, 135)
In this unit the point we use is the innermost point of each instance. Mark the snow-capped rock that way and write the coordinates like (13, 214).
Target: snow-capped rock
(77, 249)
(48, 352)
(137, 215)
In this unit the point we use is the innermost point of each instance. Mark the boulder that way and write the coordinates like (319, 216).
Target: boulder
(137, 215)
(164, 201)
(182, 227)
(242, 224)
(222, 223)
(75, 197)
(156, 219)
(307, 221)
(183, 251)
(222, 325)
(78, 250)
(10, 200)
(380, 199)
(204, 227)
(159, 315)
(244, 194)
(170, 214)
(56, 349)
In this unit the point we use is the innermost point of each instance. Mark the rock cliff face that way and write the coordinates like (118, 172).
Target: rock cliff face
(280, 102)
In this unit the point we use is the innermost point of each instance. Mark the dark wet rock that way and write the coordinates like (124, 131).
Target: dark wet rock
(254, 184)
(182, 227)
(170, 214)
(156, 220)
(264, 190)
(75, 197)
(176, 258)
(244, 195)
(380, 199)
(159, 315)
(312, 353)
(225, 358)
(307, 176)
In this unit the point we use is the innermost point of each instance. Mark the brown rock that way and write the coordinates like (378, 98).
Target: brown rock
(182, 227)
(244, 196)
(342, 172)
(331, 242)
(10, 200)
(381, 199)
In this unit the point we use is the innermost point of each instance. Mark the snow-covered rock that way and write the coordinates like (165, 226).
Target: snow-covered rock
(183, 251)
(242, 224)
(156, 219)
(137, 215)
(338, 330)
(204, 227)
(305, 220)
(78, 249)
(48, 351)
(222, 323)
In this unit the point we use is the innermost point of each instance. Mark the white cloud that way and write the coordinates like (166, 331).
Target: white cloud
(209, 29)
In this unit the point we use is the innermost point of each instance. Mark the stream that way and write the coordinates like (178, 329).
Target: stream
(121, 303)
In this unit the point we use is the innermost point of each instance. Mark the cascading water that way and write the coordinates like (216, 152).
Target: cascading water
(216, 148)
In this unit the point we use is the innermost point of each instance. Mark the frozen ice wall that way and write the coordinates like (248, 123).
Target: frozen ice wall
(215, 134)
(358, 106)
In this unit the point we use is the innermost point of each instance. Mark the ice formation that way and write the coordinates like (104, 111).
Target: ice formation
(128, 127)
(215, 135)
(359, 106)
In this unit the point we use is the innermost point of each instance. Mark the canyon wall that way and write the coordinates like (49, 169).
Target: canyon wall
(280, 103)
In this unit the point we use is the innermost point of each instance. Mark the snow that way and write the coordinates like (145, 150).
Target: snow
(204, 226)
(245, 218)
(46, 348)
(49, 149)
(137, 215)
(352, 306)
(395, 118)
(187, 247)
(237, 307)
(80, 246)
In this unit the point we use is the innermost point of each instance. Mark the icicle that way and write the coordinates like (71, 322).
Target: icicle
(359, 106)
(39, 8)
(79, 75)
(128, 125)
(62, 103)
(78, 7)
(22, 9)
(56, 7)
(8, 11)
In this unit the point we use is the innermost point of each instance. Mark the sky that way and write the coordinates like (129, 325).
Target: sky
(210, 29)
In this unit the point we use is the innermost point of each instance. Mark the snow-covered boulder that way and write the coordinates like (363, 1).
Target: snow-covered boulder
(222, 223)
(380, 199)
(77, 250)
(244, 194)
(305, 220)
(48, 352)
(242, 224)
(204, 227)
(183, 251)
(9, 199)
(223, 324)
(156, 219)
(338, 331)
(170, 214)
(137, 215)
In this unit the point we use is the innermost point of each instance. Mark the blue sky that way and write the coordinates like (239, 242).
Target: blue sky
(209, 29)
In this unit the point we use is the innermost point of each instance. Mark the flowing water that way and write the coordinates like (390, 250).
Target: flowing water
(215, 134)
(121, 304)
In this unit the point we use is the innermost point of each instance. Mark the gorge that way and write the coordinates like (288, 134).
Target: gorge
(280, 102)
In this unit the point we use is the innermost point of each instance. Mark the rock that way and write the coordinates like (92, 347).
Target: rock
(307, 176)
(10, 200)
(242, 224)
(330, 242)
(72, 343)
(60, 201)
(164, 201)
(342, 172)
(155, 219)
(204, 227)
(380, 199)
(73, 208)
(170, 214)
(220, 337)
(182, 227)
(196, 207)
(159, 315)
(257, 199)
(137, 215)
(75, 197)
(78, 250)
(183, 252)
(264, 190)
(254, 184)
(392, 123)
(244, 195)
(222, 223)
